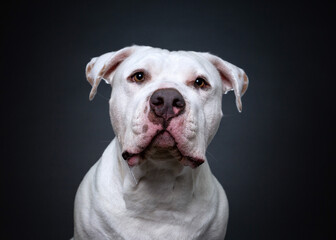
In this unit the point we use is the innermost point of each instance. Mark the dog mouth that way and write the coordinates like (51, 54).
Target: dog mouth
(163, 142)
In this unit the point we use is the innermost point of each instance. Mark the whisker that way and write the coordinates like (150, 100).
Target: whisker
(135, 181)
(102, 96)
(212, 156)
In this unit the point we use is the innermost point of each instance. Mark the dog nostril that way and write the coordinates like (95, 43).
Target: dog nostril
(157, 101)
(179, 103)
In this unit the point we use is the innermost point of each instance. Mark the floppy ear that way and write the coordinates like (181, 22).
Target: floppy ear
(103, 67)
(233, 78)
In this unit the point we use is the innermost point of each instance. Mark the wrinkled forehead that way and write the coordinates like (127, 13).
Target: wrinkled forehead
(163, 61)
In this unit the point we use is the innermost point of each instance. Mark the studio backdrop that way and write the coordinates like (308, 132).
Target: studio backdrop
(273, 159)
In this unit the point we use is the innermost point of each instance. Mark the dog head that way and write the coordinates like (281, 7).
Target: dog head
(165, 102)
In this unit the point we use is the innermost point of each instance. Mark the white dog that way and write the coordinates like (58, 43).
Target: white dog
(153, 180)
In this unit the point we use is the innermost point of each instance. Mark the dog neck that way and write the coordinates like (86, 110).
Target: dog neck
(160, 183)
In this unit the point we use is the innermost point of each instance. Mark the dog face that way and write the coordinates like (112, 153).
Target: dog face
(166, 101)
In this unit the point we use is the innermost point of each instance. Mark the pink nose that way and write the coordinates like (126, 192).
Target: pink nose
(167, 103)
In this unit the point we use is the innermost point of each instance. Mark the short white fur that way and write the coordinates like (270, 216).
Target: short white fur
(159, 198)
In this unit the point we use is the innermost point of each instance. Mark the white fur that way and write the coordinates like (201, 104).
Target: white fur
(159, 198)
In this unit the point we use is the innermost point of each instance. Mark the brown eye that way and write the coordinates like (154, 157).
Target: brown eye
(200, 82)
(138, 77)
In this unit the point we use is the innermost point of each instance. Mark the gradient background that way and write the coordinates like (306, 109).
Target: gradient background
(273, 160)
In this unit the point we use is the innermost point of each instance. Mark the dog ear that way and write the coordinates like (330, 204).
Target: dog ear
(103, 67)
(233, 78)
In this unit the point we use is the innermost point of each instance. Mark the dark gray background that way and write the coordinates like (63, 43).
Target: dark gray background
(273, 160)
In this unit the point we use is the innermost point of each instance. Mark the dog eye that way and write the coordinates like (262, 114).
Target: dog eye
(138, 77)
(200, 83)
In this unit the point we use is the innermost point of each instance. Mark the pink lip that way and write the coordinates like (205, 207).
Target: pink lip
(163, 139)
